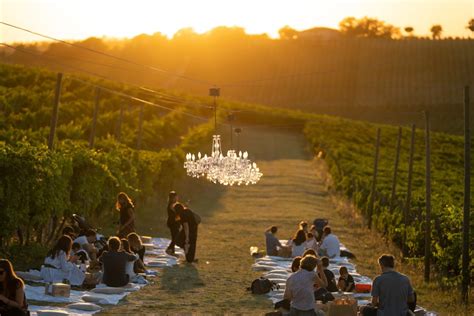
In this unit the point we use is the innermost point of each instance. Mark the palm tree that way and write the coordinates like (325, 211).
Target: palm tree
(436, 30)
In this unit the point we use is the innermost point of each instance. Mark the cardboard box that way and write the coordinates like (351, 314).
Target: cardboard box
(58, 289)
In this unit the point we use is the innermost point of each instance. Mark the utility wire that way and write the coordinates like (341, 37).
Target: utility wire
(156, 69)
(122, 94)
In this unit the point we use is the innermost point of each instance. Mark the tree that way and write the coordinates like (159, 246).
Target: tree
(470, 25)
(409, 30)
(436, 31)
(287, 33)
(368, 27)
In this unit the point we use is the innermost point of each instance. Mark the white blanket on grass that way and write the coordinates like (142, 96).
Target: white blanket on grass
(278, 269)
(72, 312)
(156, 257)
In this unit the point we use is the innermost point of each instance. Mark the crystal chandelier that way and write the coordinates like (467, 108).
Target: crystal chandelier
(217, 168)
(226, 170)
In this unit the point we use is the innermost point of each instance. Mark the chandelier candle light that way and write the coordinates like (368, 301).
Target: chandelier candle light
(217, 168)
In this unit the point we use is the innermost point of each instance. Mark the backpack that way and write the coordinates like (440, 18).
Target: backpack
(262, 286)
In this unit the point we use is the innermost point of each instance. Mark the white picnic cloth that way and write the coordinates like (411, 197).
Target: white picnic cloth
(72, 312)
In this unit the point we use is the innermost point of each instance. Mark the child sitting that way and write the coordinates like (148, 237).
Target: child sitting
(346, 281)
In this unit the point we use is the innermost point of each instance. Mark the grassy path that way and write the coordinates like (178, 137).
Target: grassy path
(294, 188)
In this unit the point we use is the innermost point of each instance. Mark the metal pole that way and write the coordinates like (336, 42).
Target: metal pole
(374, 179)
(410, 178)
(395, 170)
(54, 117)
(94, 118)
(140, 129)
(118, 135)
(428, 199)
(467, 199)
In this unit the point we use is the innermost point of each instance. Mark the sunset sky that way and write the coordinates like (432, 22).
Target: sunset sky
(78, 19)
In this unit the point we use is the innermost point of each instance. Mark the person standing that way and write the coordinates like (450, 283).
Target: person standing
(189, 231)
(127, 215)
(171, 222)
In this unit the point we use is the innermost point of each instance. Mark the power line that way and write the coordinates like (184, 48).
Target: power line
(122, 94)
(156, 69)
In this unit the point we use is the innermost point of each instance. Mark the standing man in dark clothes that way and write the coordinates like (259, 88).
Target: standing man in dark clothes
(391, 291)
(171, 222)
(187, 219)
(114, 264)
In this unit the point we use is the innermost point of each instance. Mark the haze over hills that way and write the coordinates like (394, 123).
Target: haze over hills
(320, 70)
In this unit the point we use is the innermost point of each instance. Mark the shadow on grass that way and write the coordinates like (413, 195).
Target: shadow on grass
(179, 278)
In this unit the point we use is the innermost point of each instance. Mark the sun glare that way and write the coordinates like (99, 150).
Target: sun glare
(125, 18)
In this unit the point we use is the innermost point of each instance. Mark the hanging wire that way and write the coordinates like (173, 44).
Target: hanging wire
(156, 69)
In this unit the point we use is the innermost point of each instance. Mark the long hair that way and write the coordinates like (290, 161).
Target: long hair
(172, 198)
(123, 201)
(179, 209)
(135, 241)
(300, 237)
(12, 281)
(64, 243)
(125, 245)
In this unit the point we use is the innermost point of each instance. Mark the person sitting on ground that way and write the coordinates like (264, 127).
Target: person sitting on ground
(12, 291)
(137, 247)
(58, 265)
(80, 253)
(129, 268)
(332, 286)
(297, 244)
(68, 230)
(272, 243)
(346, 281)
(304, 226)
(87, 243)
(330, 245)
(392, 292)
(300, 286)
(114, 264)
(309, 252)
(295, 264)
(311, 242)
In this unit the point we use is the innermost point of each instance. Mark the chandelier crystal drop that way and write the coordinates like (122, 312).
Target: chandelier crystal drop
(226, 170)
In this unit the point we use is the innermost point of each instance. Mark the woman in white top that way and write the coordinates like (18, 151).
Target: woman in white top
(59, 266)
(130, 264)
(298, 243)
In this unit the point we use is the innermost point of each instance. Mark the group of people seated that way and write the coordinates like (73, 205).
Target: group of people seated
(79, 262)
(325, 245)
(311, 280)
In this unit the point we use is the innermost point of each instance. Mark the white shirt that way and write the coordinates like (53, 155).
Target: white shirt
(331, 245)
(297, 250)
(81, 240)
